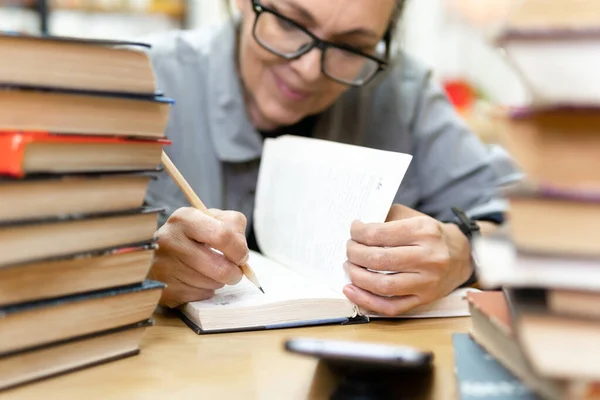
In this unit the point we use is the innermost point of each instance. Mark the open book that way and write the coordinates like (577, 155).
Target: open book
(309, 192)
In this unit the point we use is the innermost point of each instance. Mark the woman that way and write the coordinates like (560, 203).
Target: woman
(323, 69)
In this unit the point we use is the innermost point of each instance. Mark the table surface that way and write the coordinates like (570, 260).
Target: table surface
(176, 363)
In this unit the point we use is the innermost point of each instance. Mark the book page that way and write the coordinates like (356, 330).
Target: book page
(309, 192)
(454, 304)
(278, 282)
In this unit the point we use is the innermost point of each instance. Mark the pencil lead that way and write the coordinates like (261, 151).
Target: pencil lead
(261, 289)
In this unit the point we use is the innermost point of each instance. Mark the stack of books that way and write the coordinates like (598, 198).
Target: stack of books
(544, 325)
(81, 134)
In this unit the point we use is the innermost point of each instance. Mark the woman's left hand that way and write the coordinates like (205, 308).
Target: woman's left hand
(430, 259)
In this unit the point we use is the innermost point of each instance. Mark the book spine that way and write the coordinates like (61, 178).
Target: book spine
(12, 151)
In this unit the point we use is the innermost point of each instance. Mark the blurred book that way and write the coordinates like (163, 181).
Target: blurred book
(552, 14)
(546, 326)
(480, 376)
(555, 146)
(556, 224)
(546, 60)
(23, 153)
(71, 354)
(19, 19)
(75, 273)
(172, 8)
(573, 303)
(493, 16)
(502, 264)
(557, 346)
(80, 140)
(66, 317)
(69, 63)
(493, 327)
(33, 240)
(44, 196)
(80, 112)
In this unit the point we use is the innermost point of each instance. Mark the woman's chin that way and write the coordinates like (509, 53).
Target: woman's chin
(277, 116)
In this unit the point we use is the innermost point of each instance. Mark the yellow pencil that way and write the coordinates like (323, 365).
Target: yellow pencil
(197, 203)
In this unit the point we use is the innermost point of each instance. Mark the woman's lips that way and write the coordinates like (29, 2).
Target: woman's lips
(289, 92)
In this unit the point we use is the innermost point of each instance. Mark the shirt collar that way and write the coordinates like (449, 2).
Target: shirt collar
(234, 137)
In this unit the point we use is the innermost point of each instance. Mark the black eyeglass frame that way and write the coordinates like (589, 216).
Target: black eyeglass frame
(322, 45)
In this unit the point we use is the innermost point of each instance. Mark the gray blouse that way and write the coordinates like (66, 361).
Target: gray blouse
(218, 150)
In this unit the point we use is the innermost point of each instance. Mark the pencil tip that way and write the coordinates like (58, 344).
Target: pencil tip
(261, 289)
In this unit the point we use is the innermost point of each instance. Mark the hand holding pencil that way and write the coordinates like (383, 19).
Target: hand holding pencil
(186, 260)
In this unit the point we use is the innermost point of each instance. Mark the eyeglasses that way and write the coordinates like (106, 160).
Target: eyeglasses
(290, 40)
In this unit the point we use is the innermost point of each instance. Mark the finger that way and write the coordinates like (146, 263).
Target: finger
(193, 277)
(198, 257)
(209, 263)
(203, 228)
(178, 293)
(234, 219)
(187, 293)
(402, 284)
(215, 266)
(393, 233)
(392, 259)
(388, 306)
(168, 268)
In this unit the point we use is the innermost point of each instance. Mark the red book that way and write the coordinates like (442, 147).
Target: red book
(23, 153)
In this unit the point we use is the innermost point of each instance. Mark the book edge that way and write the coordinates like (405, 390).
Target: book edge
(141, 324)
(311, 323)
(132, 247)
(86, 296)
(70, 39)
(79, 217)
(542, 34)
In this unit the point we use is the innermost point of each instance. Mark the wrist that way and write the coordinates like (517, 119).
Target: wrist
(459, 247)
(469, 229)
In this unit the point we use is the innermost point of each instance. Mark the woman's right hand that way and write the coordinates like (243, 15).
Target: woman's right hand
(186, 261)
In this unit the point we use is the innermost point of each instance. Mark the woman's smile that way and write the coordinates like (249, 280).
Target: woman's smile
(289, 91)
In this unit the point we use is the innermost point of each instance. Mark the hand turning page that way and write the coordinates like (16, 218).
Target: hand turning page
(309, 192)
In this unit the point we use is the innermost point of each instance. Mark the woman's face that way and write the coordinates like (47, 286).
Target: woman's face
(281, 92)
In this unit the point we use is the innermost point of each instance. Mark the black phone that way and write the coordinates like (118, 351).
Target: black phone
(361, 355)
(365, 371)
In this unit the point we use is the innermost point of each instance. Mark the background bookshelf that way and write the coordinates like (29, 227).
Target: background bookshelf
(117, 19)
(446, 35)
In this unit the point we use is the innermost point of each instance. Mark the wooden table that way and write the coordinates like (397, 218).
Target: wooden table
(175, 363)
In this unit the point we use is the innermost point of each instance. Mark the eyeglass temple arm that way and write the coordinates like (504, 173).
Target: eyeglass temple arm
(387, 39)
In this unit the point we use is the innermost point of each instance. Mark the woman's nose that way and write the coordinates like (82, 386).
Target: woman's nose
(309, 65)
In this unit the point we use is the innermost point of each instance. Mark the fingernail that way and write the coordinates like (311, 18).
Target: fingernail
(245, 259)
(349, 289)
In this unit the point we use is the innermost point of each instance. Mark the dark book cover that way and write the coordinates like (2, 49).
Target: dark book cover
(68, 39)
(153, 97)
(78, 217)
(99, 294)
(554, 35)
(521, 113)
(480, 376)
(333, 321)
(44, 177)
(141, 324)
(107, 359)
(125, 248)
(527, 189)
